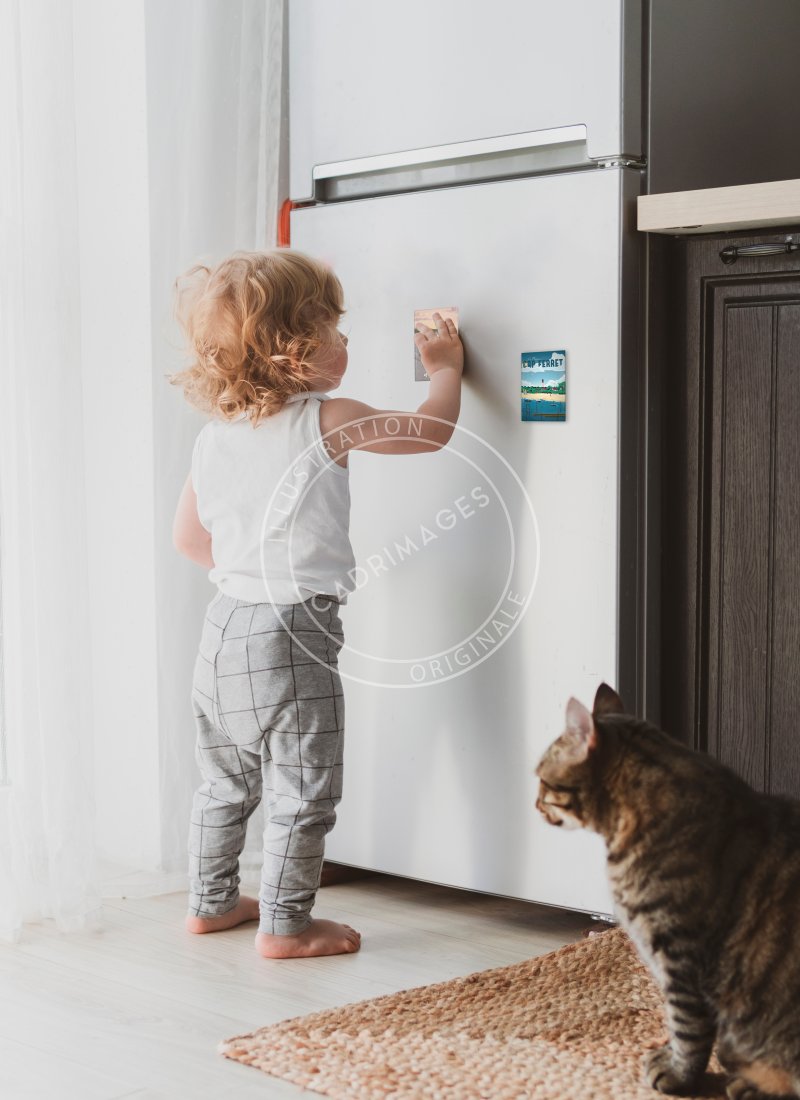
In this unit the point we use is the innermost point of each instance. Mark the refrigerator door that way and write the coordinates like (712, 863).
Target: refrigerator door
(487, 587)
(369, 79)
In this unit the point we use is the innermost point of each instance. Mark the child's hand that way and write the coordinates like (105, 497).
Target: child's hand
(440, 347)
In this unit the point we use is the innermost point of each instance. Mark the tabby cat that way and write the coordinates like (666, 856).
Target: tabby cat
(705, 874)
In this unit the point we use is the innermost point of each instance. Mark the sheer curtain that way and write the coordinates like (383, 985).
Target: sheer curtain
(46, 822)
(94, 715)
(218, 171)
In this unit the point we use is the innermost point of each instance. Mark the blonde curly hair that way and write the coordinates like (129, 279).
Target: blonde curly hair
(253, 324)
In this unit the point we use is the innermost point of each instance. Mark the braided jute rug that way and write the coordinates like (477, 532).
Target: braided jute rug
(571, 1025)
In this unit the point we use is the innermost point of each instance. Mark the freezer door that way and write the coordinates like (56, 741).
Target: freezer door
(371, 79)
(486, 593)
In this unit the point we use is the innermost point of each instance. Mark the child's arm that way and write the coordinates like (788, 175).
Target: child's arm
(353, 425)
(189, 536)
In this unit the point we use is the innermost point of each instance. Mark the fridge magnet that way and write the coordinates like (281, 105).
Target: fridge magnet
(425, 317)
(544, 385)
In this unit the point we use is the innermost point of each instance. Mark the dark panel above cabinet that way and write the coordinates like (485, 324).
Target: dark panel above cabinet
(724, 88)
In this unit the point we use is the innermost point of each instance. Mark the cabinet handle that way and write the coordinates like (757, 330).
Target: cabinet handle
(731, 255)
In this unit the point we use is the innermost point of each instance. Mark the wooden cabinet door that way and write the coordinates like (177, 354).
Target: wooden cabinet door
(731, 519)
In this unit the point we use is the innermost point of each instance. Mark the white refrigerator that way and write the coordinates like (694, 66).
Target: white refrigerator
(448, 154)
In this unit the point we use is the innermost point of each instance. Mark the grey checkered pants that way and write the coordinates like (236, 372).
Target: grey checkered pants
(269, 708)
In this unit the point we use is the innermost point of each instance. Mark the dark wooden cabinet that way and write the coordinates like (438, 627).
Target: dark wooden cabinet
(730, 504)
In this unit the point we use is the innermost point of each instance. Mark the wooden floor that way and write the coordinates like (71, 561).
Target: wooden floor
(136, 1009)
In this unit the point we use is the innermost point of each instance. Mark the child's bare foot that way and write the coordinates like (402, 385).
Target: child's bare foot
(246, 909)
(322, 937)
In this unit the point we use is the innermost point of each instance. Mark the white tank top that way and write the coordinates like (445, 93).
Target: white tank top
(273, 490)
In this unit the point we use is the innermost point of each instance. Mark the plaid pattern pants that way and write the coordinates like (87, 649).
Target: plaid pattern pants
(268, 704)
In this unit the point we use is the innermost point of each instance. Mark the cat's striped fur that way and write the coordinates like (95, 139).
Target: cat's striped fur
(705, 874)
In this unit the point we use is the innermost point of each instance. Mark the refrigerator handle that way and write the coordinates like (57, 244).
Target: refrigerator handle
(732, 254)
(507, 156)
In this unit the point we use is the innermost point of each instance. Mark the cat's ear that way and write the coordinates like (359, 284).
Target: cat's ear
(580, 736)
(606, 701)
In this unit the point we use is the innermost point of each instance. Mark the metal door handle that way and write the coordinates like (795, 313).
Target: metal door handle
(731, 255)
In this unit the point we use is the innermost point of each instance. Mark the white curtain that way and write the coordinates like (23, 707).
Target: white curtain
(218, 171)
(228, 54)
(46, 822)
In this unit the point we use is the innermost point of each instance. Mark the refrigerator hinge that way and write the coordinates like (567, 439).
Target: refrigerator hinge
(621, 161)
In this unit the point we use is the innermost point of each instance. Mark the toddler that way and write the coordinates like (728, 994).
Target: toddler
(266, 509)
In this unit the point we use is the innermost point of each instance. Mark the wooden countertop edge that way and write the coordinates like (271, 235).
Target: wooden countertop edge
(748, 206)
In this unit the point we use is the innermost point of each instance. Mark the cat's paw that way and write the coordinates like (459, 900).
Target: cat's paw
(664, 1076)
(739, 1089)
